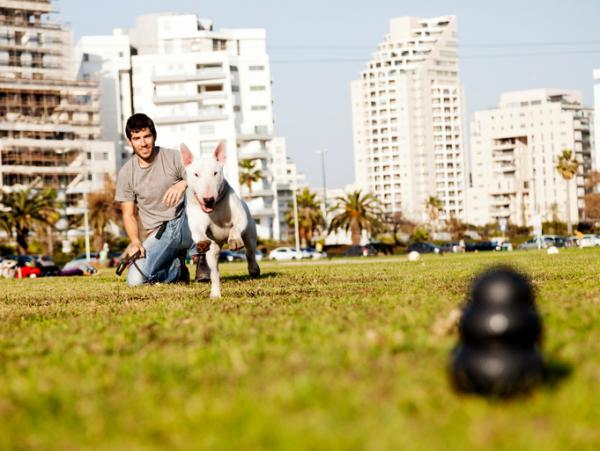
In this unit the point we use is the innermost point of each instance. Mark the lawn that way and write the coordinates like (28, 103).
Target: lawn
(327, 355)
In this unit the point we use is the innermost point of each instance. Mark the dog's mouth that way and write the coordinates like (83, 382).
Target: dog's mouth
(207, 207)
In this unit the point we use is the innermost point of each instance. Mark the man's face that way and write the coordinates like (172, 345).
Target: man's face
(142, 142)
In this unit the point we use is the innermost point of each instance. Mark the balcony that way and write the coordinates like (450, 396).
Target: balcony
(158, 100)
(201, 117)
(32, 49)
(254, 137)
(200, 76)
(32, 5)
(505, 168)
(259, 154)
(262, 212)
(54, 144)
(257, 193)
(42, 170)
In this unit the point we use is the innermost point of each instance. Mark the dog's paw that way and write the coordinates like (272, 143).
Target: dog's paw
(235, 244)
(202, 246)
(216, 295)
(254, 272)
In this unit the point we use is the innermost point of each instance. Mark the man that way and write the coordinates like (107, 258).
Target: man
(153, 180)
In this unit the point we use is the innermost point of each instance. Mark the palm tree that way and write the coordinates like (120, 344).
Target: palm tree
(310, 216)
(567, 166)
(433, 205)
(22, 210)
(103, 209)
(358, 212)
(249, 174)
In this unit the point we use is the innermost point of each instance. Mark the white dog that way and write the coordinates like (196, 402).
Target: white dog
(216, 214)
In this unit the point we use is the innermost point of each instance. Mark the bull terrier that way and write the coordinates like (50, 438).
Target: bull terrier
(216, 214)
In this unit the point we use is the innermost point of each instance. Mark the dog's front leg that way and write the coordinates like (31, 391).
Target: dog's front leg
(199, 226)
(212, 259)
(240, 223)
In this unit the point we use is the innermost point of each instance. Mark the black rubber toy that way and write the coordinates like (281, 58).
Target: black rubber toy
(500, 337)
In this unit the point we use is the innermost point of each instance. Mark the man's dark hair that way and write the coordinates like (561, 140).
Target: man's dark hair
(137, 122)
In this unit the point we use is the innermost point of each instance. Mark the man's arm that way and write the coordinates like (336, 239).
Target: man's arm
(131, 227)
(174, 194)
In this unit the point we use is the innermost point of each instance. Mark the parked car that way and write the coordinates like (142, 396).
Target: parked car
(361, 251)
(112, 260)
(588, 241)
(230, 256)
(382, 248)
(241, 255)
(44, 263)
(311, 252)
(424, 248)
(545, 242)
(284, 253)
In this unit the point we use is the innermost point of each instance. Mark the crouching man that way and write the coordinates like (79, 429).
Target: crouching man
(153, 180)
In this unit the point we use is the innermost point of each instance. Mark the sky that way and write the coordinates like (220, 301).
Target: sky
(318, 47)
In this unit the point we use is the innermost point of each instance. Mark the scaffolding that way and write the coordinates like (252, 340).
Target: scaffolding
(49, 121)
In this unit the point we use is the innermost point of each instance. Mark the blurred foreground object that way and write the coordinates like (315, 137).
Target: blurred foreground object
(500, 336)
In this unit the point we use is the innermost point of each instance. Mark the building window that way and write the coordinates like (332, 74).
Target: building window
(257, 68)
(258, 108)
(258, 88)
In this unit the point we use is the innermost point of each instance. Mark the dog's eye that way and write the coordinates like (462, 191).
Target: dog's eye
(215, 173)
(197, 175)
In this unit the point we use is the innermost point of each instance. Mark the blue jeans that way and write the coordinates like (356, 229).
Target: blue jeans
(162, 263)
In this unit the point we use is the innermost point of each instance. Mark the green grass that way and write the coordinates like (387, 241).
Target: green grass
(322, 356)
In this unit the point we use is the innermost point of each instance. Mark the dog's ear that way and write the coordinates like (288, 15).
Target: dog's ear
(220, 152)
(186, 155)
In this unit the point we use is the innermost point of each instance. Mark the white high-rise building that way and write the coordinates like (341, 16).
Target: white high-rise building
(201, 86)
(596, 146)
(106, 60)
(514, 152)
(408, 119)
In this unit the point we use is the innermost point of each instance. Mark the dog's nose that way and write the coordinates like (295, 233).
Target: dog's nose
(208, 201)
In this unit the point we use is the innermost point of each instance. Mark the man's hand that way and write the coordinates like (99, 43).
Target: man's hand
(174, 194)
(134, 247)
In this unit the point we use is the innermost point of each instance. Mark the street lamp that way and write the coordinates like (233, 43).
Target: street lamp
(86, 223)
(322, 153)
(296, 225)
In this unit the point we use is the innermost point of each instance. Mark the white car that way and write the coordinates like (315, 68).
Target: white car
(588, 241)
(285, 253)
(309, 252)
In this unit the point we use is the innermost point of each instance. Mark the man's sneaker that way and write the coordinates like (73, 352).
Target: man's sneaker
(202, 269)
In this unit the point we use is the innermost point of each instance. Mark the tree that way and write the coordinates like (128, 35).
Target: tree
(24, 209)
(456, 227)
(567, 166)
(310, 217)
(433, 205)
(102, 210)
(249, 173)
(397, 223)
(357, 212)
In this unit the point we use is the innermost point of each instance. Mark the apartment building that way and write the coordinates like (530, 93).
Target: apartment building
(106, 60)
(514, 152)
(596, 147)
(408, 119)
(49, 121)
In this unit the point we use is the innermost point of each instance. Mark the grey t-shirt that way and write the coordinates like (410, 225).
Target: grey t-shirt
(147, 186)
